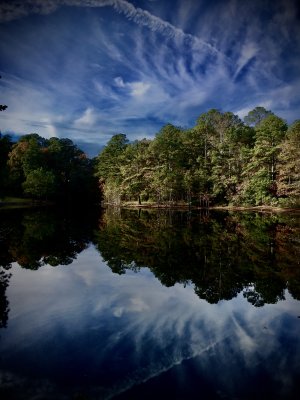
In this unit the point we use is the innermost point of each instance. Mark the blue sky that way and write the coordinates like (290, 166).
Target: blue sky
(87, 69)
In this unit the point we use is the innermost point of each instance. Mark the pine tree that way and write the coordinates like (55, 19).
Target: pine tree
(289, 165)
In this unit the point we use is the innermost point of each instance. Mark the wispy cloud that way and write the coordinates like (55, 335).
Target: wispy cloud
(147, 67)
(9, 11)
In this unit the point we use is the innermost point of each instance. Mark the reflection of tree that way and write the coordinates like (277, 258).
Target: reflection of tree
(46, 237)
(4, 306)
(36, 237)
(5, 265)
(222, 255)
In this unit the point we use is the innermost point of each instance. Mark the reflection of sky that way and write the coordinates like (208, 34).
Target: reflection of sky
(84, 326)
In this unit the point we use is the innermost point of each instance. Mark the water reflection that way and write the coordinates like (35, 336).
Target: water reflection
(38, 237)
(222, 254)
(100, 330)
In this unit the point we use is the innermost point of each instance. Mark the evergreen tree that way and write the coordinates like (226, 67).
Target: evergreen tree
(108, 168)
(256, 116)
(260, 174)
(289, 165)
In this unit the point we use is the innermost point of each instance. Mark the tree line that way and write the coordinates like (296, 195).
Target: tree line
(221, 160)
(46, 169)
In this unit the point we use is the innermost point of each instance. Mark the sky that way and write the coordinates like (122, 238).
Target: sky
(88, 69)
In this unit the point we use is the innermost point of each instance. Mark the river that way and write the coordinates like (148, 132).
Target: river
(143, 304)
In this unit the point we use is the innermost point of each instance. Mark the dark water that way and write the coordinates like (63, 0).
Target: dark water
(143, 305)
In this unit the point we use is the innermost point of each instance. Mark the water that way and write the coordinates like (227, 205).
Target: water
(143, 305)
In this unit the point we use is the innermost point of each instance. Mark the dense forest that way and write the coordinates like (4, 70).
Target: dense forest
(45, 169)
(222, 160)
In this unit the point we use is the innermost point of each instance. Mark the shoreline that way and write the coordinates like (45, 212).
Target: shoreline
(183, 207)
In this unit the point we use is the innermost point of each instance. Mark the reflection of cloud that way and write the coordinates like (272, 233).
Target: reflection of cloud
(103, 314)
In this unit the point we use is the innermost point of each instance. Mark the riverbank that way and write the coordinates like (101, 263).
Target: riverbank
(186, 207)
(19, 202)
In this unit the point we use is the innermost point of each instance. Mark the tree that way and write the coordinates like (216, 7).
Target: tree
(135, 172)
(289, 166)
(260, 174)
(72, 169)
(166, 149)
(256, 116)
(226, 139)
(110, 158)
(24, 157)
(197, 150)
(40, 184)
(108, 167)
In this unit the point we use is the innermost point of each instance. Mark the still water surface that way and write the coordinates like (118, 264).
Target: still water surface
(143, 305)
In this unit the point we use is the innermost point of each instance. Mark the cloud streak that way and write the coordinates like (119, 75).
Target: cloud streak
(76, 75)
(10, 11)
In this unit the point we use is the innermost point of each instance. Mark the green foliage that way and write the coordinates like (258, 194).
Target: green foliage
(289, 166)
(111, 158)
(41, 168)
(256, 116)
(219, 161)
(260, 173)
(40, 184)
(136, 171)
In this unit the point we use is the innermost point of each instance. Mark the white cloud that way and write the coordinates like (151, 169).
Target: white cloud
(119, 82)
(247, 53)
(87, 119)
(138, 89)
